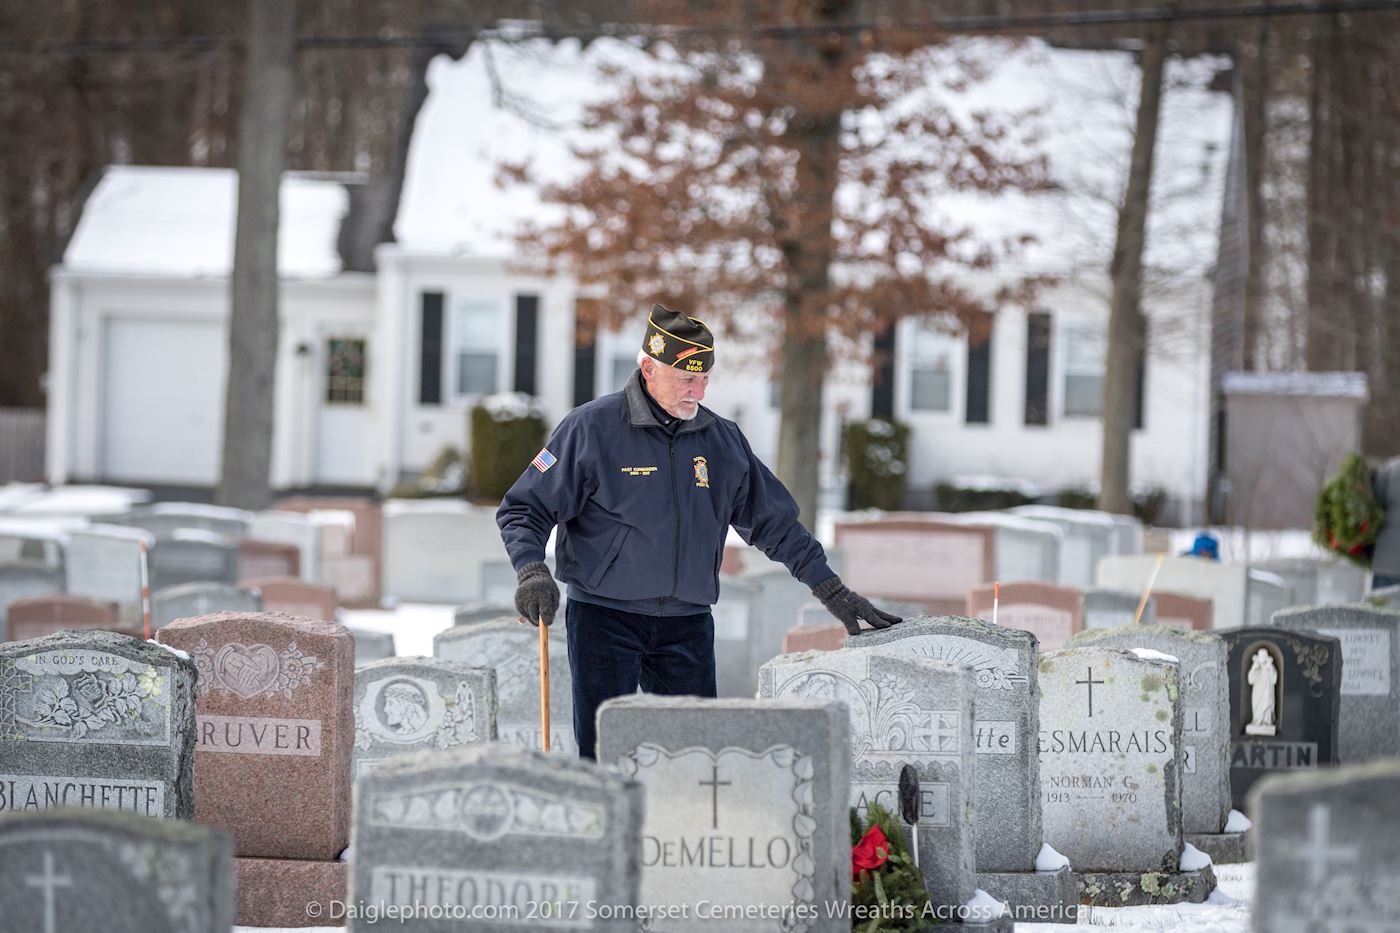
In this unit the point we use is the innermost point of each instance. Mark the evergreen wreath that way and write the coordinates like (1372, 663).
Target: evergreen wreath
(887, 890)
(1348, 516)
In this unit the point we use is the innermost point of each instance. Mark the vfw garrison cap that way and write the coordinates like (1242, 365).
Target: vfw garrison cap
(678, 341)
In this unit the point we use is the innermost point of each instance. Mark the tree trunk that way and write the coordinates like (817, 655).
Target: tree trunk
(1321, 348)
(1250, 59)
(1125, 322)
(268, 71)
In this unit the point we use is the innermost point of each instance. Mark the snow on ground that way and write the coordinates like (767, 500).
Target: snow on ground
(413, 625)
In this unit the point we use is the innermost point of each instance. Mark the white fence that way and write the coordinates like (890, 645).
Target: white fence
(21, 444)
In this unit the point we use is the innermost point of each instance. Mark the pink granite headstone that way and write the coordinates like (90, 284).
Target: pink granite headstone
(1181, 611)
(825, 637)
(43, 615)
(275, 726)
(261, 559)
(296, 597)
(1051, 613)
(923, 561)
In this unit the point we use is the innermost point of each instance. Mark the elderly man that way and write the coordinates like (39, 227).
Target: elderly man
(643, 485)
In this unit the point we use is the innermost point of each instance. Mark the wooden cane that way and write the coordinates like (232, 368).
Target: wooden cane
(544, 682)
(1151, 582)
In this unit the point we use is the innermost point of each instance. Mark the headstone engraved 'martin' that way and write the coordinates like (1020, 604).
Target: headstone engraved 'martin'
(407, 705)
(516, 839)
(275, 732)
(512, 650)
(903, 710)
(1110, 736)
(96, 719)
(1285, 699)
(746, 807)
(67, 870)
(1328, 853)
(1370, 640)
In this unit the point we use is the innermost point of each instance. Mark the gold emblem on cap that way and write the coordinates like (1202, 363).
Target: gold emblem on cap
(656, 345)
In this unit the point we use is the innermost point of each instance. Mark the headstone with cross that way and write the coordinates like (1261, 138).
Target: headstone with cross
(70, 869)
(490, 825)
(903, 710)
(96, 719)
(1205, 732)
(746, 805)
(1110, 766)
(1326, 848)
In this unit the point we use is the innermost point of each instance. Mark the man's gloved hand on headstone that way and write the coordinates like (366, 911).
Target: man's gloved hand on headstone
(851, 607)
(536, 593)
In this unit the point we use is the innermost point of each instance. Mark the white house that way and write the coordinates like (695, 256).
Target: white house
(382, 355)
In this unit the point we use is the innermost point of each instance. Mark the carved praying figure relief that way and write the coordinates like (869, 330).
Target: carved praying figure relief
(1263, 677)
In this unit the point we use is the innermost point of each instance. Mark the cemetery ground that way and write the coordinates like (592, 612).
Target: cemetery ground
(367, 738)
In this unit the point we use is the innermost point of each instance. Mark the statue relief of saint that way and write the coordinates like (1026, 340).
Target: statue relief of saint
(1263, 677)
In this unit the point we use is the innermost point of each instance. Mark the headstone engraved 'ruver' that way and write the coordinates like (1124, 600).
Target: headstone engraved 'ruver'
(513, 839)
(275, 732)
(1370, 674)
(96, 719)
(67, 870)
(1285, 698)
(407, 705)
(746, 807)
(903, 710)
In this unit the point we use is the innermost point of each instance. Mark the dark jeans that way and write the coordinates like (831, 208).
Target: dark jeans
(612, 652)
(1379, 580)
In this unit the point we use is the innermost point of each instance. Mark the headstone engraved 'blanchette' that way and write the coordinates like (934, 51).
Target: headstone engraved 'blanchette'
(96, 719)
(275, 730)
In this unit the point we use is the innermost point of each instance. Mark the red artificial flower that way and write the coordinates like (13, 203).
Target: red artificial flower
(872, 851)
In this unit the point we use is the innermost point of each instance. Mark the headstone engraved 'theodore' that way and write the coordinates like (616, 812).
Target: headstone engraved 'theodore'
(1327, 850)
(1205, 725)
(746, 808)
(407, 705)
(275, 730)
(512, 650)
(71, 870)
(903, 711)
(1285, 698)
(493, 838)
(96, 719)
(1370, 640)
(1110, 737)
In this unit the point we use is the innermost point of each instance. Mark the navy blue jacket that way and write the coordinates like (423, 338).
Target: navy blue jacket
(643, 513)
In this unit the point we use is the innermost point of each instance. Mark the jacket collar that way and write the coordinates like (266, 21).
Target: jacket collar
(639, 413)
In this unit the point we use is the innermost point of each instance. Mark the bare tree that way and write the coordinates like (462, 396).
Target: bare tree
(245, 479)
(1125, 318)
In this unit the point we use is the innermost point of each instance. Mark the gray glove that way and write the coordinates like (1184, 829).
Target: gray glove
(536, 594)
(851, 607)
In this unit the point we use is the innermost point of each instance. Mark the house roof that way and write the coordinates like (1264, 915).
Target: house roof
(165, 221)
(1316, 385)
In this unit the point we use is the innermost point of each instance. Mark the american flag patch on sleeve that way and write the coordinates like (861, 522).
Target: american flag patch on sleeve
(543, 460)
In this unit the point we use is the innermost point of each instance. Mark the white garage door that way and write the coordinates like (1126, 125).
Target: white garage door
(162, 400)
